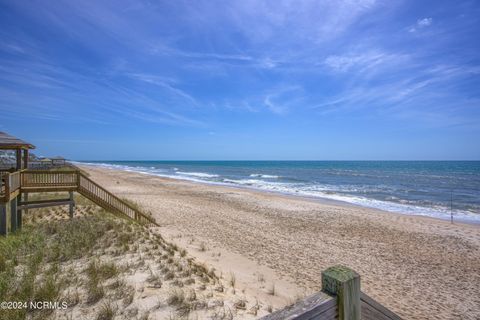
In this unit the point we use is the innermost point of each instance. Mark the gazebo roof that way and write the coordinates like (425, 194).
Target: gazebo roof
(8, 142)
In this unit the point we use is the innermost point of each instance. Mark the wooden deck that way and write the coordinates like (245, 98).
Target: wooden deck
(26, 181)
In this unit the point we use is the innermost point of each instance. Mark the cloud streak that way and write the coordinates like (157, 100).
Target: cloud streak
(421, 24)
(226, 64)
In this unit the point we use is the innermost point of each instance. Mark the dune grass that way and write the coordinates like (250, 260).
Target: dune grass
(30, 260)
(87, 262)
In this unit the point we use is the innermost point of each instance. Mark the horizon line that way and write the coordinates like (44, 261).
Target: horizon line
(287, 160)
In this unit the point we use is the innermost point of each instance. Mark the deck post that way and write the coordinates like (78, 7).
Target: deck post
(19, 159)
(13, 214)
(21, 212)
(72, 204)
(345, 284)
(19, 219)
(25, 159)
(3, 219)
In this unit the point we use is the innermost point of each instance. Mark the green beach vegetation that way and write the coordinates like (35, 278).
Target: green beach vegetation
(101, 265)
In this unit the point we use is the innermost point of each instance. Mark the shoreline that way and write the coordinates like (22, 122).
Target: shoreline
(414, 266)
(318, 199)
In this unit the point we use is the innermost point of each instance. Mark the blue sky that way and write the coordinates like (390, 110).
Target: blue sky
(366, 79)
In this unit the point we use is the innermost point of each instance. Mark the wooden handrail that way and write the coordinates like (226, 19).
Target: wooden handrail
(49, 172)
(111, 200)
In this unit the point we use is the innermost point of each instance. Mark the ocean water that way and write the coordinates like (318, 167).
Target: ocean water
(430, 188)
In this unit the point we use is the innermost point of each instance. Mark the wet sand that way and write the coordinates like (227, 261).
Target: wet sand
(420, 268)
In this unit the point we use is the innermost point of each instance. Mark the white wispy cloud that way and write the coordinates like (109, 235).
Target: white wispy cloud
(167, 50)
(159, 116)
(253, 56)
(57, 92)
(421, 23)
(361, 60)
(425, 22)
(12, 47)
(281, 100)
(414, 95)
(286, 21)
(241, 105)
(275, 107)
(165, 83)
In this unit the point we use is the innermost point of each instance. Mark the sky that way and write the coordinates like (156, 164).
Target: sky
(242, 80)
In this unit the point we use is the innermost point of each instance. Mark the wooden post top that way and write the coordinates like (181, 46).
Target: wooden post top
(340, 274)
(345, 284)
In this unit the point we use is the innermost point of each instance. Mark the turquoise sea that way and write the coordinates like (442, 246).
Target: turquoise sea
(430, 188)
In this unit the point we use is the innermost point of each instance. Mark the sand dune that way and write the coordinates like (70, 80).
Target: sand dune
(420, 268)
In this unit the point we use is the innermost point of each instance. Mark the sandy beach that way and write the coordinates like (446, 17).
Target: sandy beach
(420, 268)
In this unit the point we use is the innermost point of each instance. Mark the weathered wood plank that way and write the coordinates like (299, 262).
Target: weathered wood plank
(317, 306)
(49, 189)
(371, 309)
(12, 195)
(22, 203)
(50, 203)
(331, 313)
(326, 314)
(370, 313)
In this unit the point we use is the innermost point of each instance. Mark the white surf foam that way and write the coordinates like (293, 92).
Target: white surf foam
(197, 174)
(307, 190)
(266, 176)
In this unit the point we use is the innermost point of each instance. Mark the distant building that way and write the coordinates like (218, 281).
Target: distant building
(58, 161)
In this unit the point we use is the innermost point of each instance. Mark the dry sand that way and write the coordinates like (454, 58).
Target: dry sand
(129, 273)
(420, 268)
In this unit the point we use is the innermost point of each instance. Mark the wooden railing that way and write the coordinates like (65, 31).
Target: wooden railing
(14, 181)
(3, 185)
(340, 299)
(98, 194)
(46, 179)
(71, 180)
(10, 184)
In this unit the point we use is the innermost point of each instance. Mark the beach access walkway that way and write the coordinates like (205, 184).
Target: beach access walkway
(16, 184)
